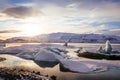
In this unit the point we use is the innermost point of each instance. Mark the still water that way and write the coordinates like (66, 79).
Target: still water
(88, 46)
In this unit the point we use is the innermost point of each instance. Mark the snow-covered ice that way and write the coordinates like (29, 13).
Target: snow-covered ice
(44, 53)
(89, 65)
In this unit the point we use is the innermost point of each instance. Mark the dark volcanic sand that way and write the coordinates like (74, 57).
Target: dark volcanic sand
(22, 74)
(2, 59)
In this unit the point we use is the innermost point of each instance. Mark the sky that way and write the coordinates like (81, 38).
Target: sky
(34, 17)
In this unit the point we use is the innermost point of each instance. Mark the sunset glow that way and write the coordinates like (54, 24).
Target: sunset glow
(31, 30)
(34, 17)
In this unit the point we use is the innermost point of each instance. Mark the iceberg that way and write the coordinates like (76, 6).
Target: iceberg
(88, 65)
(27, 54)
(101, 50)
(44, 54)
(78, 66)
(108, 47)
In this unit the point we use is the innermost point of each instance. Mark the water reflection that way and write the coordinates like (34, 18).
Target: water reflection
(87, 46)
(45, 64)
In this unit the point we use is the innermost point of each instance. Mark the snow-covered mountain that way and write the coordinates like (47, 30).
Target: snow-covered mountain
(19, 39)
(71, 37)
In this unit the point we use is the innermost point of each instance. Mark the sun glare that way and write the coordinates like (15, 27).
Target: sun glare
(31, 30)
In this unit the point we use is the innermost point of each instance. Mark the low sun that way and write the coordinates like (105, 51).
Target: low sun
(31, 30)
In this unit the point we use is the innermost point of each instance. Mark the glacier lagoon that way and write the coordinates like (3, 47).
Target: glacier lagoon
(110, 74)
(88, 46)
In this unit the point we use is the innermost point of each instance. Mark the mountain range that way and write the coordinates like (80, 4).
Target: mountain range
(67, 37)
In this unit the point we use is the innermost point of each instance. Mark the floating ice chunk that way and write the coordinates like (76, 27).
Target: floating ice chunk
(78, 66)
(45, 55)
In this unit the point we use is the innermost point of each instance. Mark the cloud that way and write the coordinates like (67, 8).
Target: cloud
(21, 12)
(78, 16)
(110, 32)
(9, 31)
(89, 10)
(12, 3)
